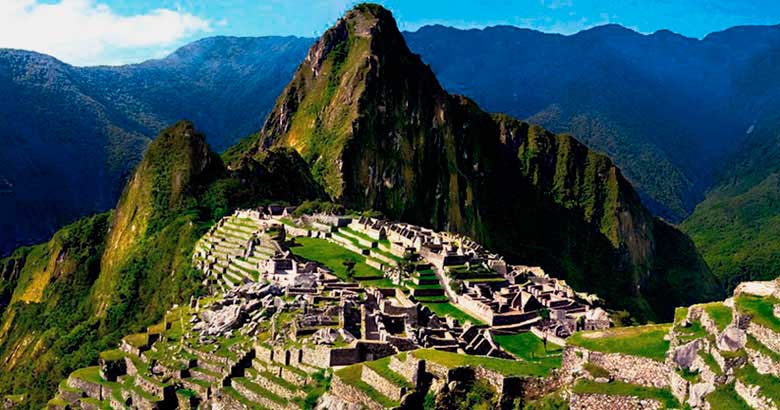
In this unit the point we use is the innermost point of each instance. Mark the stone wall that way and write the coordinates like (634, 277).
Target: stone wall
(763, 363)
(766, 336)
(381, 384)
(255, 397)
(352, 395)
(93, 390)
(410, 369)
(753, 397)
(605, 402)
(629, 369)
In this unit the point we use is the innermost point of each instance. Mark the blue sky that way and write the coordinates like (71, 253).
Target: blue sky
(89, 32)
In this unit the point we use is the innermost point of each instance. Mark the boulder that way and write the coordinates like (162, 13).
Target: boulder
(697, 394)
(683, 356)
(731, 339)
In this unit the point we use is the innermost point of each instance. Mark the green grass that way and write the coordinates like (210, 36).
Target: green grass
(680, 314)
(241, 399)
(381, 366)
(710, 361)
(719, 313)
(351, 376)
(645, 341)
(596, 370)
(616, 388)
(90, 374)
(503, 366)
(250, 385)
(333, 257)
(726, 398)
(769, 385)
(112, 355)
(754, 344)
(448, 309)
(760, 308)
(527, 346)
(360, 235)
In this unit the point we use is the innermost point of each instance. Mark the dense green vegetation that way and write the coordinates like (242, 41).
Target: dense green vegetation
(738, 230)
(646, 341)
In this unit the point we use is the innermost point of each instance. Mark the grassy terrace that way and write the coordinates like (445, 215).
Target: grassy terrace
(444, 309)
(725, 397)
(381, 367)
(686, 334)
(351, 376)
(769, 385)
(526, 346)
(616, 388)
(646, 341)
(503, 366)
(241, 399)
(360, 235)
(719, 313)
(760, 308)
(333, 256)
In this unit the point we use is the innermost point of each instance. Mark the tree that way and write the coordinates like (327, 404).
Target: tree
(350, 265)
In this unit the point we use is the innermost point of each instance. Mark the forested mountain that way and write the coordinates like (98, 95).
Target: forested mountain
(72, 135)
(680, 117)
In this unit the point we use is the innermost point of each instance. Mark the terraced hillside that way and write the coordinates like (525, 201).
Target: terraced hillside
(721, 355)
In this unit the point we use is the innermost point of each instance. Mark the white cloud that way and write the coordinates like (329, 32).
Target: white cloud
(557, 4)
(86, 32)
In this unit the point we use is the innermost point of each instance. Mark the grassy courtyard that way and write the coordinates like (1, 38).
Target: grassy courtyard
(445, 309)
(526, 346)
(646, 341)
(333, 256)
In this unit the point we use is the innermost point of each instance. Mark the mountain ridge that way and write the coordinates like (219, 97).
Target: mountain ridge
(379, 132)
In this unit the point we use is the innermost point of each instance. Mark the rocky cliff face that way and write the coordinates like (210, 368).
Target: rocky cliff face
(379, 132)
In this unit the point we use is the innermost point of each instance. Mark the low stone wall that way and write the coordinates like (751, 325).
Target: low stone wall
(203, 391)
(410, 368)
(381, 384)
(766, 336)
(352, 395)
(251, 395)
(763, 363)
(707, 323)
(629, 369)
(550, 338)
(93, 390)
(753, 397)
(277, 389)
(605, 402)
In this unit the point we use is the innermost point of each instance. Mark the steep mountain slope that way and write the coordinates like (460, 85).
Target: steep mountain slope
(379, 132)
(104, 276)
(73, 135)
(738, 225)
(661, 105)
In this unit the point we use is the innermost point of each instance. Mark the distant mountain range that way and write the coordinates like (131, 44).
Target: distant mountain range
(680, 116)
